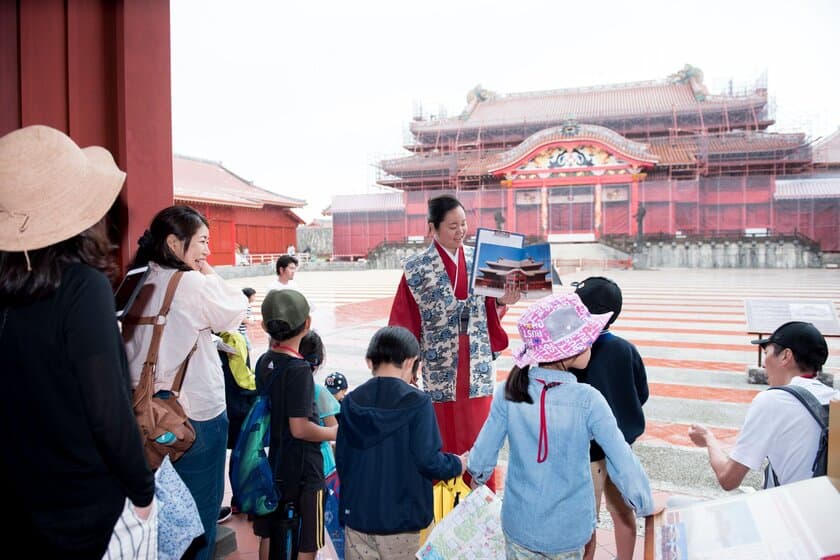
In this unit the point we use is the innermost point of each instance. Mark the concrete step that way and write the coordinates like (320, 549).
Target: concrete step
(225, 542)
(684, 470)
(685, 411)
(586, 250)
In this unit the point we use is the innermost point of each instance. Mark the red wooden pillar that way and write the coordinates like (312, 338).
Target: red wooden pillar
(98, 70)
(144, 109)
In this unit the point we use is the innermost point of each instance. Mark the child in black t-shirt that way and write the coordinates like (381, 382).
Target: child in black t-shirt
(296, 528)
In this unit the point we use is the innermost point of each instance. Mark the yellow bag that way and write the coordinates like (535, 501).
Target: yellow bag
(447, 495)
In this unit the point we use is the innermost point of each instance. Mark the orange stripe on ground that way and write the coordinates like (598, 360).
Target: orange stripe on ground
(622, 328)
(673, 309)
(719, 308)
(696, 345)
(691, 392)
(677, 434)
(735, 367)
(684, 319)
(696, 392)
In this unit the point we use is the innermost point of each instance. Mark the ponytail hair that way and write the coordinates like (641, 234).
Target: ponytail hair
(516, 386)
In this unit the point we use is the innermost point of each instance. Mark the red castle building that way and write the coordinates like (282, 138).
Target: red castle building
(595, 163)
(241, 214)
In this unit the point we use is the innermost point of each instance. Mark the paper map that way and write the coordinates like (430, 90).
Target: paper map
(472, 530)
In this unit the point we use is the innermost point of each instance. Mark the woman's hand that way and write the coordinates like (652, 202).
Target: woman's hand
(511, 295)
(205, 268)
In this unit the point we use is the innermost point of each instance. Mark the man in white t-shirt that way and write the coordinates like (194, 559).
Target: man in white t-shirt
(285, 267)
(777, 427)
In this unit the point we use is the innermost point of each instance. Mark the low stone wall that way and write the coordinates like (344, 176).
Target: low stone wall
(754, 253)
(316, 240)
(657, 254)
(268, 268)
(392, 257)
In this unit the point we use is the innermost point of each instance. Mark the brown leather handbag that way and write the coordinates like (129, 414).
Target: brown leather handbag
(159, 414)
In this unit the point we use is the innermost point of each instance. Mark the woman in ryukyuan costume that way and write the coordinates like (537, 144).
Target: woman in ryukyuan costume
(458, 332)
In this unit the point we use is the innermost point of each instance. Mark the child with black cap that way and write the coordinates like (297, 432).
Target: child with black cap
(617, 371)
(336, 384)
(296, 528)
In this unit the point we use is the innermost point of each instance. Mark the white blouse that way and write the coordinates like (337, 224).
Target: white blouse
(202, 304)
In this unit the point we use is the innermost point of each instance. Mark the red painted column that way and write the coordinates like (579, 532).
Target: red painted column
(9, 68)
(144, 111)
(43, 64)
(98, 70)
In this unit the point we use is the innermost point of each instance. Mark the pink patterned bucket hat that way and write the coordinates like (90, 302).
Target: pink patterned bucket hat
(557, 327)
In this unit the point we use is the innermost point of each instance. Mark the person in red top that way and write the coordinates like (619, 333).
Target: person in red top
(459, 332)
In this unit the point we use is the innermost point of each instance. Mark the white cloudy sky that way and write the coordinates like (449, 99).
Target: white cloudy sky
(304, 98)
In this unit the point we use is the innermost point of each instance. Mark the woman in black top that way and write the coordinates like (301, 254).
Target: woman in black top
(72, 449)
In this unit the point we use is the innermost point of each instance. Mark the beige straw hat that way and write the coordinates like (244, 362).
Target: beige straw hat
(50, 189)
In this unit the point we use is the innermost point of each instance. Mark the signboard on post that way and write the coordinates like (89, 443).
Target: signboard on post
(766, 315)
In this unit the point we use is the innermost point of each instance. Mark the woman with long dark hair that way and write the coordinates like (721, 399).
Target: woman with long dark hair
(73, 453)
(179, 239)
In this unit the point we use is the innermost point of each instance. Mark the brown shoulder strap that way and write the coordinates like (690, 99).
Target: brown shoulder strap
(179, 379)
(159, 322)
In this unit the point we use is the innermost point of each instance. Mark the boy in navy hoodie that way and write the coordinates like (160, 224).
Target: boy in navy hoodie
(388, 453)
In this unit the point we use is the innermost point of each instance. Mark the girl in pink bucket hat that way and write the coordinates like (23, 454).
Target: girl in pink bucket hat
(548, 419)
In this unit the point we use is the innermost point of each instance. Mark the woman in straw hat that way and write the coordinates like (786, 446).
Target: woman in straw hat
(549, 419)
(179, 239)
(72, 447)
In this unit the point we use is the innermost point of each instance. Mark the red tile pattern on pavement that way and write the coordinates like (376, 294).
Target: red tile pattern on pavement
(677, 434)
(698, 392)
(732, 367)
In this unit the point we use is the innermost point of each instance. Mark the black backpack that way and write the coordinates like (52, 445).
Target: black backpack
(820, 414)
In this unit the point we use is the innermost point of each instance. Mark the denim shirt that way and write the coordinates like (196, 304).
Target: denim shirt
(549, 506)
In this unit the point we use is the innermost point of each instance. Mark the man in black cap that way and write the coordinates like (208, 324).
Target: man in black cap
(777, 427)
(617, 371)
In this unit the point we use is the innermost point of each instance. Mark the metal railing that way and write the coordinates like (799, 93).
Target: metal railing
(563, 266)
(263, 258)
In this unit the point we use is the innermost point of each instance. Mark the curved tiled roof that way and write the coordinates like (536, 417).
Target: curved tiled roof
(578, 133)
(684, 149)
(372, 202)
(199, 180)
(827, 150)
(807, 188)
(590, 104)
(664, 151)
